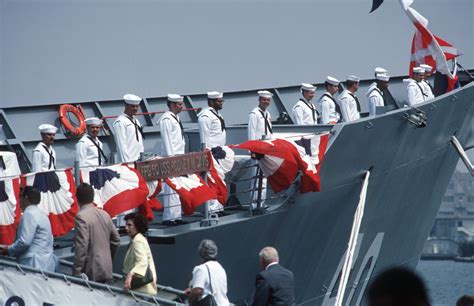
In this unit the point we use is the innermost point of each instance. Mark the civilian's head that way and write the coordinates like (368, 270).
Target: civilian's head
(29, 196)
(267, 256)
(207, 250)
(465, 300)
(85, 194)
(397, 286)
(135, 223)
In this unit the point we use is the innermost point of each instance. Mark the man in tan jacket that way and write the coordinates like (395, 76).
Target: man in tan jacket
(96, 238)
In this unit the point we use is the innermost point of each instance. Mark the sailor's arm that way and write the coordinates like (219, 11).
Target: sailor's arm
(120, 134)
(344, 105)
(205, 124)
(412, 92)
(166, 128)
(81, 153)
(298, 114)
(252, 126)
(325, 109)
(37, 161)
(372, 105)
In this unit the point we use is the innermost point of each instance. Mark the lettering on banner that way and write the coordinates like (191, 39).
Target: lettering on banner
(156, 169)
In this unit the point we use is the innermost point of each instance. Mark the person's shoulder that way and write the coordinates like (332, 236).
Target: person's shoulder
(254, 111)
(38, 146)
(119, 119)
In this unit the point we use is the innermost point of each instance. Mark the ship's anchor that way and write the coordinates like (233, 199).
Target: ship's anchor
(462, 154)
(418, 118)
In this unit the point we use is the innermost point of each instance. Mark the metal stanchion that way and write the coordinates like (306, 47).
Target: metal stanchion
(77, 172)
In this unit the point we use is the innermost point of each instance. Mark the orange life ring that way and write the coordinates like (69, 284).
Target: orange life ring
(68, 125)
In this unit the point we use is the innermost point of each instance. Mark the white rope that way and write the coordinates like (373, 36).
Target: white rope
(351, 246)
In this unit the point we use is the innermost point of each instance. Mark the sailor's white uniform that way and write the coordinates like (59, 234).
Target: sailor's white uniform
(212, 128)
(212, 131)
(260, 124)
(259, 127)
(375, 99)
(44, 158)
(89, 152)
(427, 89)
(349, 106)
(304, 112)
(416, 95)
(128, 138)
(172, 143)
(329, 114)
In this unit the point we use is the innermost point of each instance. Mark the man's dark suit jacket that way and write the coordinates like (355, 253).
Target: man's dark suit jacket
(274, 286)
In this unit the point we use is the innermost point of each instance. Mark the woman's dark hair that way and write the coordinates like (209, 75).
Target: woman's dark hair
(140, 222)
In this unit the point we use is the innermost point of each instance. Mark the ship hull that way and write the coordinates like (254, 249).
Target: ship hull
(410, 170)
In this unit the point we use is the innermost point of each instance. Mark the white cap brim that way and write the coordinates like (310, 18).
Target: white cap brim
(47, 129)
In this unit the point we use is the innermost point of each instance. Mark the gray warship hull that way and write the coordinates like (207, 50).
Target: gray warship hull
(410, 170)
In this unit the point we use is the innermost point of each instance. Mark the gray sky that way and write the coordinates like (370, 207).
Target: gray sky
(56, 51)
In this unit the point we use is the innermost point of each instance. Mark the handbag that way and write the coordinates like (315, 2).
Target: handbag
(209, 300)
(138, 282)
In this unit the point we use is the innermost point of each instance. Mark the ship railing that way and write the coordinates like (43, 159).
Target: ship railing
(120, 277)
(113, 290)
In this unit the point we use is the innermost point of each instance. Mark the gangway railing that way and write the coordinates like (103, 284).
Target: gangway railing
(113, 290)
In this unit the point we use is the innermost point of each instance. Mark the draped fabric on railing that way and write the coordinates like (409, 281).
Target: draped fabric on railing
(121, 187)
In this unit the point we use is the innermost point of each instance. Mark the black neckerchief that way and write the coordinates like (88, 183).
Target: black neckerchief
(356, 99)
(179, 122)
(220, 119)
(311, 107)
(138, 128)
(51, 158)
(268, 126)
(338, 109)
(422, 92)
(380, 92)
(100, 152)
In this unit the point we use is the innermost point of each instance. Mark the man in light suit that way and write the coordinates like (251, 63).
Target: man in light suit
(96, 239)
(275, 284)
(34, 239)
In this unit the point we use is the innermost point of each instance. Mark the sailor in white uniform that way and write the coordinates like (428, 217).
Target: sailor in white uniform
(211, 123)
(416, 94)
(377, 70)
(260, 121)
(260, 128)
(89, 149)
(172, 143)
(375, 96)
(213, 131)
(44, 156)
(427, 88)
(128, 131)
(330, 112)
(348, 101)
(304, 112)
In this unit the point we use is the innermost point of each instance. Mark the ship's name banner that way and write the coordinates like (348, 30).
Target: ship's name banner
(160, 168)
(31, 289)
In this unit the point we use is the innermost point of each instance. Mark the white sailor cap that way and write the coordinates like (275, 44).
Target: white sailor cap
(93, 121)
(419, 70)
(308, 87)
(265, 94)
(215, 95)
(175, 98)
(132, 99)
(383, 77)
(332, 81)
(427, 68)
(353, 78)
(378, 70)
(47, 129)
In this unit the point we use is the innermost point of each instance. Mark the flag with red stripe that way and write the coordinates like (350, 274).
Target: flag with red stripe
(117, 188)
(58, 197)
(10, 211)
(221, 161)
(192, 191)
(283, 158)
(427, 48)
